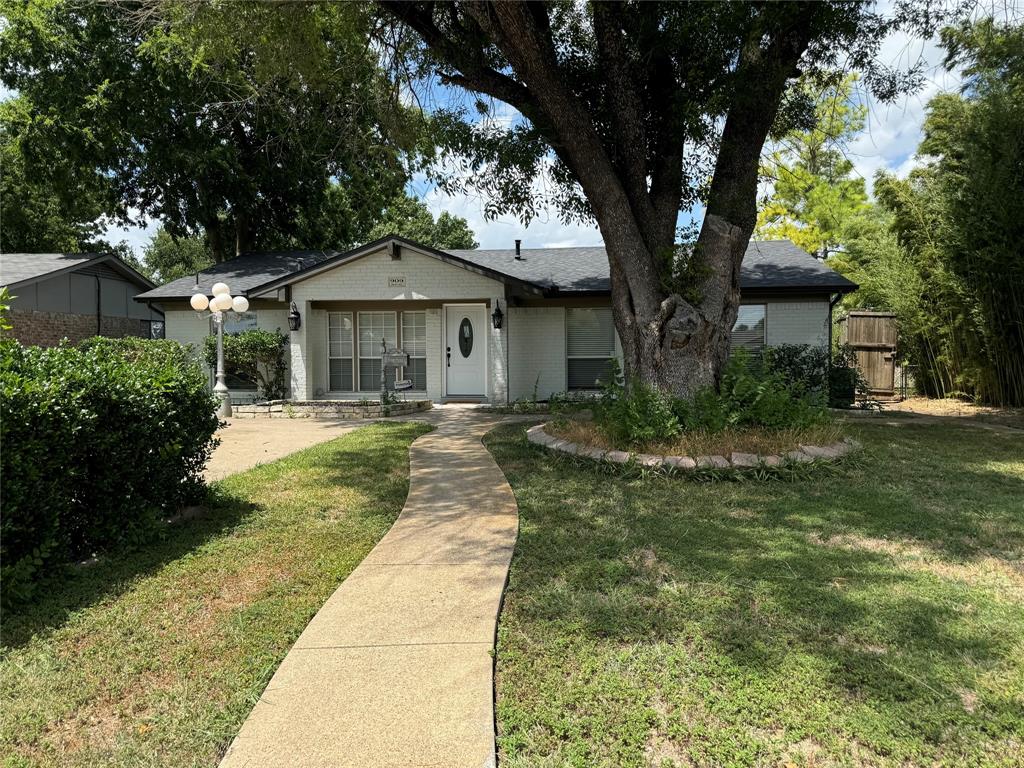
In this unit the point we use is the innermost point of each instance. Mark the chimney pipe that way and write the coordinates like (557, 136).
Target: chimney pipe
(518, 252)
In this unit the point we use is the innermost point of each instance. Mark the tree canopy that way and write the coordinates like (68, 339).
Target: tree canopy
(943, 247)
(409, 217)
(37, 216)
(175, 116)
(814, 192)
(630, 112)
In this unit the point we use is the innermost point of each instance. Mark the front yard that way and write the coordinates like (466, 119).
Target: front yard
(872, 615)
(156, 658)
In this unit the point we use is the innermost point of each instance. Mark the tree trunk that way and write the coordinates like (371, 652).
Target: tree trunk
(633, 179)
(243, 232)
(677, 346)
(216, 239)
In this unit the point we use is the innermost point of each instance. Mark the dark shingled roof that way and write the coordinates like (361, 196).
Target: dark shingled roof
(769, 265)
(19, 268)
(242, 273)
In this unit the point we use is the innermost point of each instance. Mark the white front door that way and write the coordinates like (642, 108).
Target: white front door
(466, 349)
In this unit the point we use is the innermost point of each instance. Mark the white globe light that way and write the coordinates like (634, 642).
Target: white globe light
(221, 303)
(199, 302)
(240, 304)
(219, 289)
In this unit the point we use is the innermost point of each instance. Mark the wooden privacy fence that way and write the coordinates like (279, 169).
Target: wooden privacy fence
(873, 337)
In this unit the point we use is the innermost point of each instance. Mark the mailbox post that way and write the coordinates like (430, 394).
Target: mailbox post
(390, 359)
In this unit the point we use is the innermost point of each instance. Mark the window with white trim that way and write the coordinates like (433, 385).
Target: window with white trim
(340, 368)
(590, 346)
(414, 344)
(373, 328)
(748, 332)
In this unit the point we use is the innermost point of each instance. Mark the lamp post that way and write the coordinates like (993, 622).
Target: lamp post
(221, 302)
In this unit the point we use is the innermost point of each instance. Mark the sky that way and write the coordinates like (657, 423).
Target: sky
(888, 143)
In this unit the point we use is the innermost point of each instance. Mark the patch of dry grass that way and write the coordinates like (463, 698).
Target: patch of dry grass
(760, 441)
(951, 406)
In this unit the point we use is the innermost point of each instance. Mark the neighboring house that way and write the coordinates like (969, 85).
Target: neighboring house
(441, 307)
(74, 296)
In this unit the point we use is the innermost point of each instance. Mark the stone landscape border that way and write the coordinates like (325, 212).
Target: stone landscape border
(329, 409)
(804, 454)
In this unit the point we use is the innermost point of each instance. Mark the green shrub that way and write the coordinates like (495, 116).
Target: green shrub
(844, 378)
(255, 355)
(751, 394)
(804, 367)
(810, 369)
(637, 415)
(100, 443)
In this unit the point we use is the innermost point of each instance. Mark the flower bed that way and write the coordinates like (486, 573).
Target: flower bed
(735, 460)
(329, 409)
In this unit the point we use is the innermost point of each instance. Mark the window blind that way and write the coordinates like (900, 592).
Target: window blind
(748, 332)
(590, 346)
(414, 344)
(373, 327)
(339, 351)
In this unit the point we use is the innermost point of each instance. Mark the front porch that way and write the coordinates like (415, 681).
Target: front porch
(452, 352)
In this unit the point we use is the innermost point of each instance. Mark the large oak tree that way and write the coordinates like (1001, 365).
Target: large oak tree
(177, 112)
(635, 111)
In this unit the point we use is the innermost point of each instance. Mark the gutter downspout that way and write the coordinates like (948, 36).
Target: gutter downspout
(99, 306)
(508, 343)
(833, 300)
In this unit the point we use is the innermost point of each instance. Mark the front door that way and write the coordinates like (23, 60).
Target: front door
(465, 349)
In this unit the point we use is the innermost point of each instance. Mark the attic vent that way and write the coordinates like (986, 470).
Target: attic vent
(519, 255)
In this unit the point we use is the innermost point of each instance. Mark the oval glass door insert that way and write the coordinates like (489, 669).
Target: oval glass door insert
(465, 337)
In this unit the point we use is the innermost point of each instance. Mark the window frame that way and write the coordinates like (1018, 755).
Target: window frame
(614, 354)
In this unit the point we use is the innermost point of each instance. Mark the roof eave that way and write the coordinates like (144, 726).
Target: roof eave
(99, 258)
(364, 250)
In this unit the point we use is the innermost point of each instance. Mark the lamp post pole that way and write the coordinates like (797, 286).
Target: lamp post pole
(220, 389)
(221, 303)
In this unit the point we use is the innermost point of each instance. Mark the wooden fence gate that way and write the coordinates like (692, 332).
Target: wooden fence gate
(872, 336)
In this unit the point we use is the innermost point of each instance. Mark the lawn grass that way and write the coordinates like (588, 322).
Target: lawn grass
(156, 657)
(869, 616)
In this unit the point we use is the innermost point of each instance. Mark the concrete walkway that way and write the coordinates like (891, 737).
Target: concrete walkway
(396, 668)
(248, 442)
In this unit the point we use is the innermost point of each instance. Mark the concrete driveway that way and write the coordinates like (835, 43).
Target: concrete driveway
(248, 442)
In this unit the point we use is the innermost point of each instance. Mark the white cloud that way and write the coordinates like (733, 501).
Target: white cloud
(545, 231)
(893, 131)
(137, 237)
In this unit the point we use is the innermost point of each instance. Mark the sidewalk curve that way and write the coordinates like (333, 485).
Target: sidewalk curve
(396, 667)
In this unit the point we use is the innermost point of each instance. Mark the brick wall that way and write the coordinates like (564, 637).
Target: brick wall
(47, 329)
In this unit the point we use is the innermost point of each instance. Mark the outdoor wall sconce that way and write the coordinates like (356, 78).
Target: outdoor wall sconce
(294, 318)
(497, 316)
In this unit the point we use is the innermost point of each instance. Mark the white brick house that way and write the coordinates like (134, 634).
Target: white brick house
(554, 334)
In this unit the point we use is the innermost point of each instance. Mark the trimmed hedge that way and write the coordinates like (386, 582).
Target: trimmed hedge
(100, 442)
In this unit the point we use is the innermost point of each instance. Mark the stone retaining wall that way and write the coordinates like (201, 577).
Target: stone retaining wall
(805, 453)
(328, 409)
